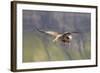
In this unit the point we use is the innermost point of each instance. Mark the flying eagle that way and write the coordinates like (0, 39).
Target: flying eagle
(65, 37)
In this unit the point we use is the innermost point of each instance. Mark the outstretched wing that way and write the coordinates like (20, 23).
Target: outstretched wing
(74, 32)
(71, 32)
(52, 33)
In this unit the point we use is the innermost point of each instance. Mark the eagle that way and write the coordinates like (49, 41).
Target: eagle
(65, 37)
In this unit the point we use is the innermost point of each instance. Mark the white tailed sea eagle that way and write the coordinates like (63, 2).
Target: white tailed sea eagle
(65, 37)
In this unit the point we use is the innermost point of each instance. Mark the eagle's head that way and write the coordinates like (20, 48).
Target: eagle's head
(66, 37)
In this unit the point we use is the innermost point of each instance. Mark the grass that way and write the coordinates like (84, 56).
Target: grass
(36, 48)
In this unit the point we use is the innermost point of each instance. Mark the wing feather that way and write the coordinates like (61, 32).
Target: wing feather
(52, 33)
